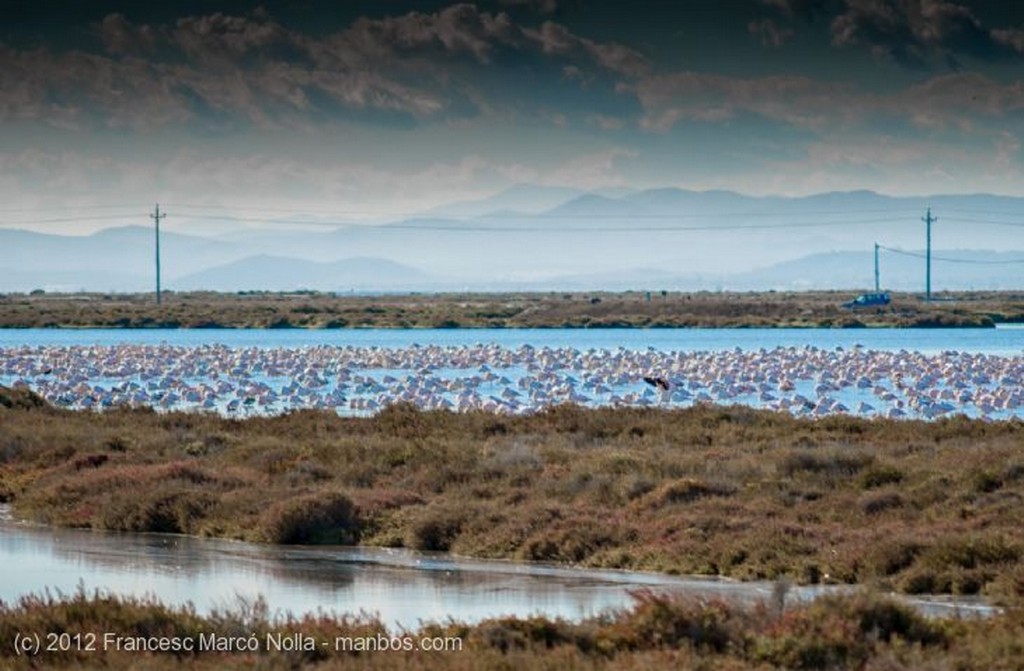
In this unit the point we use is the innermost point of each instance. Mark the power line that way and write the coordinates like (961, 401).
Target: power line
(550, 215)
(987, 222)
(919, 255)
(895, 217)
(62, 220)
(64, 208)
(539, 229)
(497, 228)
(974, 210)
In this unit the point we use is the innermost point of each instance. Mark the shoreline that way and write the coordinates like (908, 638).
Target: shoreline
(861, 630)
(878, 327)
(594, 310)
(727, 491)
(745, 593)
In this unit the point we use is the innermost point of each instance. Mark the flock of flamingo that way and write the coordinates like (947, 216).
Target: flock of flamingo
(803, 381)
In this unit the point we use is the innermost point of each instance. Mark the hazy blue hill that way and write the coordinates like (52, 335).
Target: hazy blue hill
(122, 251)
(981, 204)
(855, 270)
(275, 273)
(682, 201)
(414, 222)
(615, 191)
(594, 205)
(525, 198)
(11, 238)
(699, 239)
(24, 281)
(326, 244)
(852, 200)
(639, 279)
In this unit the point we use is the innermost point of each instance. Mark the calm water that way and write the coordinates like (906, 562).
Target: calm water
(403, 587)
(992, 341)
(596, 367)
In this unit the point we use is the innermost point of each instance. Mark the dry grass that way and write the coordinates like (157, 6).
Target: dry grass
(582, 310)
(860, 631)
(914, 506)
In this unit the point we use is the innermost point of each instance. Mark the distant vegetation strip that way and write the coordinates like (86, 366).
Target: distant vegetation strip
(860, 631)
(919, 507)
(316, 310)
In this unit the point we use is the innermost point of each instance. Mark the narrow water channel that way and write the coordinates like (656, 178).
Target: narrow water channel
(402, 587)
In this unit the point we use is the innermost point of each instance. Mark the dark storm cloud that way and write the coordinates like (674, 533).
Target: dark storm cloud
(457, 30)
(556, 39)
(704, 97)
(770, 33)
(402, 103)
(951, 100)
(805, 9)
(465, 30)
(266, 73)
(916, 32)
(540, 6)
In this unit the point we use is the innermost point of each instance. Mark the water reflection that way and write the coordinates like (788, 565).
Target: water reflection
(403, 587)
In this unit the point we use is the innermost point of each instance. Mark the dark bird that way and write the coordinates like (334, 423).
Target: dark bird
(659, 382)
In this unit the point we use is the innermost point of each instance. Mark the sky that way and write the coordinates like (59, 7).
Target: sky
(387, 108)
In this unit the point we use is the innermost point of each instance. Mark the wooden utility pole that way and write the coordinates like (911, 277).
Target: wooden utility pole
(156, 217)
(928, 219)
(878, 288)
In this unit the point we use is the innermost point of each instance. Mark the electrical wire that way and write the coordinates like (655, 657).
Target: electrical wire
(62, 220)
(987, 222)
(466, 223)
(438, 213)
(918, 255)
(65, 208)
(426, 226)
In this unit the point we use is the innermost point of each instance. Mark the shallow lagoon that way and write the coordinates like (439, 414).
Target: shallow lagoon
(402, 587)
(1004, 340)
(892, 373)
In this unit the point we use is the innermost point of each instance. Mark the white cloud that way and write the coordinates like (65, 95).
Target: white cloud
(540, 6)
(953, 99)
(121, 36)
(590, 171)
(891, 164)
(604, 122)
(556, 39)
(1010, 37)
(692, 96)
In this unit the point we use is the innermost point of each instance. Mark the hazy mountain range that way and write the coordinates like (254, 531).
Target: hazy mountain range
(542, 238)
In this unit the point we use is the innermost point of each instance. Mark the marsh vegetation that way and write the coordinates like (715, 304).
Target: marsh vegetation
(918, 507)
(858, 631)
(523, 310)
